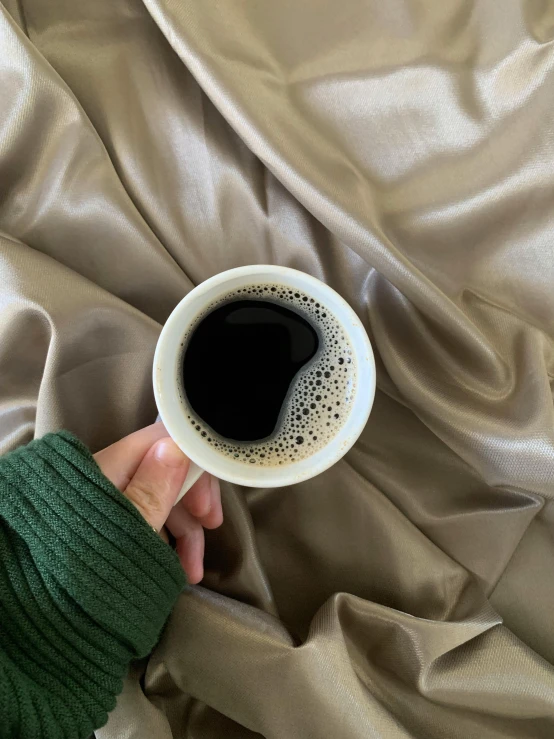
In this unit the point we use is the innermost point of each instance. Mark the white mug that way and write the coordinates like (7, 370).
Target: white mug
(166, 377)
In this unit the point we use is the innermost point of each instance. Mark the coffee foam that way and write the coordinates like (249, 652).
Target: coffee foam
(320, 395)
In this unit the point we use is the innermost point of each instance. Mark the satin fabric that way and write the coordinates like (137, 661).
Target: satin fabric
(401, 152)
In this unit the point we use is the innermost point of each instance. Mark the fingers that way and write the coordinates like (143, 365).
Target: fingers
(189, 536)
(120, 461)
(199, 509)
(150, 470)
(203, 501)
(215, 517)
(154, 487)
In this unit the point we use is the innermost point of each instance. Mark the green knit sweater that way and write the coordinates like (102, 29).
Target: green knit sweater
(85, 587)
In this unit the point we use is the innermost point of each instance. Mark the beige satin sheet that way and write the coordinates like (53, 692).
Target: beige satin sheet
(402, 152)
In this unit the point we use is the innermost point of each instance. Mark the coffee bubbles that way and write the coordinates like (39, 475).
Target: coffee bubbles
(267, 359)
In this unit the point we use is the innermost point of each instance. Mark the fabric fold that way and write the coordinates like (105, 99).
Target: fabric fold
(401, 152)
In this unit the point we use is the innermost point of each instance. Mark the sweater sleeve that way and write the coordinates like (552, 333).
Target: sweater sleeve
(85, 586)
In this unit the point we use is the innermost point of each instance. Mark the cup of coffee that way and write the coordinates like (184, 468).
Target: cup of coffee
(264, 376)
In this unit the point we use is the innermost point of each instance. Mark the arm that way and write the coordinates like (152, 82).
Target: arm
(86, 585)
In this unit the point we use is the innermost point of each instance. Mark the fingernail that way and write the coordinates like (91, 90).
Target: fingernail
(167, 452)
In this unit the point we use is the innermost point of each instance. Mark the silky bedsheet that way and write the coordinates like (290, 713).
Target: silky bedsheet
(402, 152)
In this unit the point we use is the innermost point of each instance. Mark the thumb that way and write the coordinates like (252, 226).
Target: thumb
(154, 487)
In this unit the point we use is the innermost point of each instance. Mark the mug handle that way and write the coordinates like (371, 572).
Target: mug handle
(193, 475)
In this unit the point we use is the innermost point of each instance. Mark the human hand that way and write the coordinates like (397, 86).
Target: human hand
(150, 469)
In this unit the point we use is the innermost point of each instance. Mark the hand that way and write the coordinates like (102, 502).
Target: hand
(150, 469)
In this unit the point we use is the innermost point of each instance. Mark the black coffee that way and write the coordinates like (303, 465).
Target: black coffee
(267, 375)
(239, 365)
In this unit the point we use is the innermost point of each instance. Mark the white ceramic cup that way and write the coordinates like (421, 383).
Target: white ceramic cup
(173, 412)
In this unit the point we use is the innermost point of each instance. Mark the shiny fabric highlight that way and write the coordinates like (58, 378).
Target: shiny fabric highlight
(401, 152)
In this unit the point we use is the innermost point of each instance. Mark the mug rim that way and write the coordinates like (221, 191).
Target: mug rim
(171, 409)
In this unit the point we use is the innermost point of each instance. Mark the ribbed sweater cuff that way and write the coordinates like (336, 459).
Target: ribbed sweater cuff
(85, 585)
